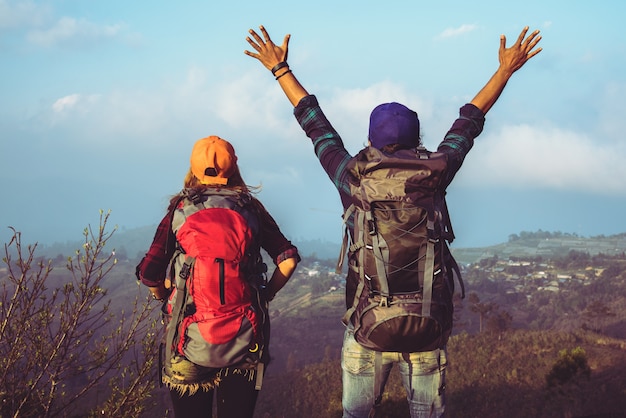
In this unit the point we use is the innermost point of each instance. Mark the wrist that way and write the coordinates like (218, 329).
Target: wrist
(277, 67)
(282, 74)
(159, 292)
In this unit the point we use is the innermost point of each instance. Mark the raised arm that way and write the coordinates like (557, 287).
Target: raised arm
(511, 60)
(274, 58)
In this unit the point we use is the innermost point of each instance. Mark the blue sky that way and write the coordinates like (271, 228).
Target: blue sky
(101, 102)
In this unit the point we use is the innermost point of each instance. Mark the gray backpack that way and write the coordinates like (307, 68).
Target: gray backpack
(399, 251)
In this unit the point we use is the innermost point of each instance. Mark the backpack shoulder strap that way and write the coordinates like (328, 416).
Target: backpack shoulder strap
(180, 281)
(345, 240)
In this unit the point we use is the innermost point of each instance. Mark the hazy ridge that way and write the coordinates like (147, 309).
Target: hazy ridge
(498, 372)
(133, 243)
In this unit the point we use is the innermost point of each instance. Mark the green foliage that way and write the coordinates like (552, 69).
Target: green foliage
(60, 341)
(313, 391)
(489, 376)
(570, 364)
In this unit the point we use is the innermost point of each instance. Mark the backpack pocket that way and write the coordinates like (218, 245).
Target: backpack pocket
(221, 339)
(400, 325)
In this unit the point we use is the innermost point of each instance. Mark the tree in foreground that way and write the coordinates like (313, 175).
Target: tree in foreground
(63, 350)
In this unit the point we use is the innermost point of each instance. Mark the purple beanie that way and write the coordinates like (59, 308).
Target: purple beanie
(393, 123)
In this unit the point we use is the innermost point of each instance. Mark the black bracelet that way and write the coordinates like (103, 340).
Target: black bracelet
(278, 67)
(286, 72)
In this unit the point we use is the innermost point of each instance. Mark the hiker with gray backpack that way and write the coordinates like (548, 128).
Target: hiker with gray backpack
(401, 274)
(205, 265)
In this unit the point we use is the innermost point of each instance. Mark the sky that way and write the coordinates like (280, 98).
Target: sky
(101, 102)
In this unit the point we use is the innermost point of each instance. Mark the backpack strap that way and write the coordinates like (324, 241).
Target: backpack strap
(451, 264)
(344, 242)
(381, 255)
(348, 315)
(446, 225)
(429, 265)
(358, 242)
(177, 309)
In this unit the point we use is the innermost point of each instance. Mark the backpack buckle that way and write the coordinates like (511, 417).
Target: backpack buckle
(184, 271)
(371, 227)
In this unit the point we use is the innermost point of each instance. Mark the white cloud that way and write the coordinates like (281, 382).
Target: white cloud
(254, 113)
(453, 32)
(40, 27)
(545, 157)
(15, 14)
(81, 102)
(349, 110)
(110, 118)
(611, 110)
(70, 30)
(66, 102)
(248, 100)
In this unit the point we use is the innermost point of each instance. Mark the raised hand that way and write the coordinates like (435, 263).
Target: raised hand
(513, 58)
(268, 53)
(274, 58)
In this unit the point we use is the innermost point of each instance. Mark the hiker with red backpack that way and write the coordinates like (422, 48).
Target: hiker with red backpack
(401, 273)
(205, 264)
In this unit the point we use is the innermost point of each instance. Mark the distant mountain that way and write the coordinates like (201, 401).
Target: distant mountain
(130, 243)
(133, 243)
(545, 245)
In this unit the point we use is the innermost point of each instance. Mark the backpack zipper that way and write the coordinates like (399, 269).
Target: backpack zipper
(220, 262)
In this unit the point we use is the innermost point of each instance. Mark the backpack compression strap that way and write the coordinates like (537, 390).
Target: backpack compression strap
(177, 309)
(344, 242)
(429, 265)
(381, 255)
(355, 246)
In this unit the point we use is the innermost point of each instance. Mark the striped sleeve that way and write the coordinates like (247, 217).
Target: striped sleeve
(460, 138)
(327, 143)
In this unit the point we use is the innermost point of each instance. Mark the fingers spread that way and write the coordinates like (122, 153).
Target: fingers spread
(265, 34)
(255, 36)
(521, 36)
(253, 44)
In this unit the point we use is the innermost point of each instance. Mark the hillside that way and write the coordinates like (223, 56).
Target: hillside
(537, 307)
(133, 243)
(501, 372)
(522, 310)
(544, 245)
(490, 376)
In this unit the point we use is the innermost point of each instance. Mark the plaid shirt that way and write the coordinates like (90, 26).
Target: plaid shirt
(334, 158)
(152, 269)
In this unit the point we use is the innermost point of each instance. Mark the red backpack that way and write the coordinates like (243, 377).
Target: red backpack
(217, 315)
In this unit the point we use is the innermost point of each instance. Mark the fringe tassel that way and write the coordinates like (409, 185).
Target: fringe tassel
(245, 372)
(190, 388)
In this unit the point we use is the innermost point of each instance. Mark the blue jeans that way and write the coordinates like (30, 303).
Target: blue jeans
(423, 378)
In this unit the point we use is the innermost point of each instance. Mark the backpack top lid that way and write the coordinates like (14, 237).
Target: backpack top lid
(374, 175)
(213, 160)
